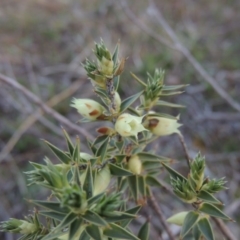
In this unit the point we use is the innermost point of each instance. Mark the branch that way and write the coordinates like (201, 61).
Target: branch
(225, 231)
(37, 116)
(153, 11)
(176, 45)
(160, 215)
(185, 150)
(44, 107)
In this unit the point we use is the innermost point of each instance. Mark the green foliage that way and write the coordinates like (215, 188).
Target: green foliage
(89, 193)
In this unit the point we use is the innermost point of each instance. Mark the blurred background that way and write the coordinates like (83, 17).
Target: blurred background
(42, 46)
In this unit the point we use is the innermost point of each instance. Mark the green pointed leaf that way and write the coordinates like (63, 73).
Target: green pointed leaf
(174, 174)
(90, 146)
(190, 220)
(63, 157)
(84, 236)
(174, 87)
(115, 54)
(94, 232)
(138, 80)
(134, 111)
(95, 198)
(101, 152)
(129, 101)
(153, 182)
(101, 92)
(144, 231)
(206, 196)
(54, 206)
(55, 215)
(120, 145)
(196, 233)
(69, 142)
(88, 183)
(133, 184)
(162, 115)
(171, 93)
(120, 216)
(118, 171)
(206, 229)
(115, 231)
(119, 158)
(100, 139)
(145, 156)
(142, 185)
(53, 235)
(116, 82)
(74, 228)
(94, 218)
(133, 139)
(76, 153)
(213, 211)
(133, 210)
(66, 221)
(168, 104)
(151, 164)
(122, 184)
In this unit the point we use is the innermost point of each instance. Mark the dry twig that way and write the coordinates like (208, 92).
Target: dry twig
(36, 116)
(154, 11)
(161, 217)
(44, 106)
(177, 45)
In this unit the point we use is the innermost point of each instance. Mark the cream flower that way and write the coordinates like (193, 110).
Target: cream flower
(128, 125)
(88, 108)
(161, 126)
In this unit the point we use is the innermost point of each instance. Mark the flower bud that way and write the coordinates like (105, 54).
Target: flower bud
(135, 164)
(178, 218)
(102, 180)
(27, 228)
(197, 171)
(90, 109)
(117, 101)
(128, 125)
(183, 190)
(161, 126)
(106, 131)
(106, 67)
(18, 226)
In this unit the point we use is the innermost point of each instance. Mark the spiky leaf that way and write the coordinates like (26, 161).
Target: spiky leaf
(63, 157)
(118, 171)
(206, 229)
(115, 231)
(213, 211)
(129, 101)
(144, 231)
(94, 218)
(190, 220)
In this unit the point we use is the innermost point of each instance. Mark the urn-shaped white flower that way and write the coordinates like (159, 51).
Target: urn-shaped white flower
(128, 125)
(161, 126)
(88, 108)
